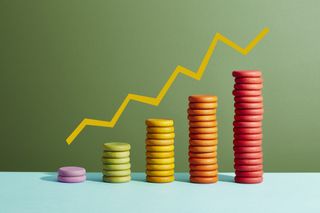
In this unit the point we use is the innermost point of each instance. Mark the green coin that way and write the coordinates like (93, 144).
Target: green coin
(123, 154)
(116, 146)
(119, 173)
(116, 167)
(117, 179)
(115, 160)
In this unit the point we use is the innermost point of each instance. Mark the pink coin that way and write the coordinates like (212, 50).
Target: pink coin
(71, 171)
(248, 86)
(249, 80)
(76, 179)
(248, 99)
(247, 92)
(249, 111)
(246, 74)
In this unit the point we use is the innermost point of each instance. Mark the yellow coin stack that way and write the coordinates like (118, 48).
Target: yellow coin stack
(116, 162)
(160, 150)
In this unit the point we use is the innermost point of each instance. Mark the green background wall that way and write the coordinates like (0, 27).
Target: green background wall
(61, 61)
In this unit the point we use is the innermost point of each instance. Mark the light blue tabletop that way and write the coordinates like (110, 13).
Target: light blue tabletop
(40, 192)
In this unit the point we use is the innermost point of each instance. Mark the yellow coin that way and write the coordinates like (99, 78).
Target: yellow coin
(160, 148)
(155, 142)
(160, 166)
(160, 160)
(163, 173)
(160, 136)
(160, 154)
(160, 179)
(159, 122)
(115, 160)
(168, 129)
(123, 154)
(116, 146)
(116, 167)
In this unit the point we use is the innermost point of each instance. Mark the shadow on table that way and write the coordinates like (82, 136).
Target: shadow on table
(50, 176)
(226, 178)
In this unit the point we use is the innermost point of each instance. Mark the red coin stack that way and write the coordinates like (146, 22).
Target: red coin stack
(247, 126)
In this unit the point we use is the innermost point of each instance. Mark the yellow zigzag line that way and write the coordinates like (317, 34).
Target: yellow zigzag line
(179, 69)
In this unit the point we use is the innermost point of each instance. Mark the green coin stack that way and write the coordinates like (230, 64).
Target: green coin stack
(116, 162)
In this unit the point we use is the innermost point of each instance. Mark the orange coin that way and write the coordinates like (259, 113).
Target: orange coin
(202, 117)
(202, 111)
(203, 124)
(203, 130)
(199, 167)
(213, 179)
(203, 155)
(203, 98)
(203, 105)
(198, 173)
(203, 136)
(202, 161)
(198, 149)
(203, 142)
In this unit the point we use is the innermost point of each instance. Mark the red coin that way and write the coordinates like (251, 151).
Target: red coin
(246, 74)
(202, 161)
(203, 142)
(240, 131)
(249, 174)
(210, 136)
(248, 180)
(249, 111)
(203, 179)
(203, 154)
(248, 117)
(199, 173)
(248, 155)
(247, 148)
(248, 105)
(249, 80)
(248, 161)
(203, 98)
(202, 111)
(248, 86)
(203, 130)
(248, 168)
(247, 92)
(248, 137)
(203, 124)
(247, 124)
(247, 143)
(248, 99)
(198, 167)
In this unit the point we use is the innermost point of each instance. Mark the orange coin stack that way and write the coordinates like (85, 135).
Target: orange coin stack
(247, 143)
(203, 138)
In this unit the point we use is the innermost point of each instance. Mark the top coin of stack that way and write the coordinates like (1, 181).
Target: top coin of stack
(248, 161)
(203, 138)
(160, 150)
(116, 162)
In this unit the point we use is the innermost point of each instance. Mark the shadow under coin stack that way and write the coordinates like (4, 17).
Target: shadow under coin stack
(160, 150)
(116, 162)
(203, 138)
(248, 161)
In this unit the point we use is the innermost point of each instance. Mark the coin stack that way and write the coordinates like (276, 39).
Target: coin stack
(203, 138)
(116, 162)
(160, 150)
(248, 157)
